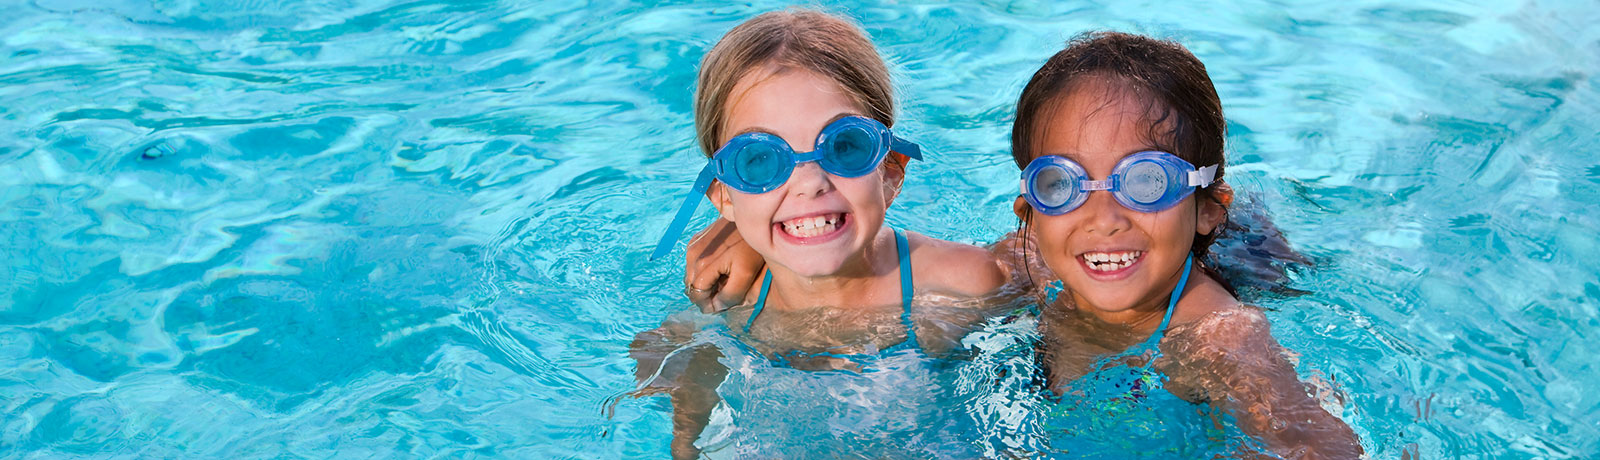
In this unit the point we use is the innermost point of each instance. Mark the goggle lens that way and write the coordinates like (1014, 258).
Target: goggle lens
(1145, 182)
(852, 150)
(759, 164)
(1054, 187)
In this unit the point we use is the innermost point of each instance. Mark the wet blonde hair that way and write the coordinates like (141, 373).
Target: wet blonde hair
(809, 40)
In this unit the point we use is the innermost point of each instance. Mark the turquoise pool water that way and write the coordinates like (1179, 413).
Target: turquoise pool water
(376, 229)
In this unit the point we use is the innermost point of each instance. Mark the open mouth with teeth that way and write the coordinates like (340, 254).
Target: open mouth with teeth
(1106, 262)
(810, 227)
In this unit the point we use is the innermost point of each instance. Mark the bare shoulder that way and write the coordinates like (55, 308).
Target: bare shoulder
(1235, 333)
(1233, 325)
(1212, 326)
(1207, 311)
(956, 269)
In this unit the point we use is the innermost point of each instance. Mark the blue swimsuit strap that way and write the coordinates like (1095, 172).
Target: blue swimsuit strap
(907, 290)
(761, 302)
(1172, 305)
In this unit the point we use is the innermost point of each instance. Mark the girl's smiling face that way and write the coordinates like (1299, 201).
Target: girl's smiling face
(816, 224)
(1111, 258)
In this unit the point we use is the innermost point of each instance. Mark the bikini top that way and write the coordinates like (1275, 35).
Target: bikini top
(1109, 381)
(1132, 401)
(906, 291)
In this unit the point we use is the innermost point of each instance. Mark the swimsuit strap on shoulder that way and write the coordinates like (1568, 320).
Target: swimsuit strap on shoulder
(1177, 291)
(907, 289)
(1154, 341)
(761, 301)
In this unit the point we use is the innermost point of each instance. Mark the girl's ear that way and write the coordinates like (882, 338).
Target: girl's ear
(1021, 208)
(1214, 212)
(718, 194)
(894, 174)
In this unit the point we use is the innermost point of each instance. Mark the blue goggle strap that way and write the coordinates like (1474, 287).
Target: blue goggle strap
(905, 147)
(690, 203)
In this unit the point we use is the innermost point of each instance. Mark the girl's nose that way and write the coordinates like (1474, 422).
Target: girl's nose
(808, 179)
(1106, 216)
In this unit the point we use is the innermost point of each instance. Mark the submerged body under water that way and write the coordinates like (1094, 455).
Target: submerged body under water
(989, 397)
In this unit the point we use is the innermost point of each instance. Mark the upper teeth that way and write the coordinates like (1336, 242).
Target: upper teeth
(1110, 261)
(806, 227)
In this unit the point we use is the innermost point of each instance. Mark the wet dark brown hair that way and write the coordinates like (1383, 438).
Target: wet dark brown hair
(1166, 75)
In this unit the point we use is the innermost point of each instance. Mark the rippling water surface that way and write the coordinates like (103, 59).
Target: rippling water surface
(363, 228)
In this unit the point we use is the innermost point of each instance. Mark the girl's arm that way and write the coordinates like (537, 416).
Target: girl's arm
(688, 374)
(1231, 359)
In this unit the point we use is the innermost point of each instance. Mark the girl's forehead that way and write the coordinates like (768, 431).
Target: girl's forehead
(769, 99)
(1096, 118)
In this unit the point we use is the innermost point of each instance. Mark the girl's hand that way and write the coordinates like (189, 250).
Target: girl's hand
(1018, 254)
(721, 269)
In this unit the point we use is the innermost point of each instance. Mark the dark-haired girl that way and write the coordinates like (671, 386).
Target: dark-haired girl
(1120, 139)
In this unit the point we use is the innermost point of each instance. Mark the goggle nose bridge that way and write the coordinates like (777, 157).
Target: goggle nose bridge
(1097, 185)
(804, 157)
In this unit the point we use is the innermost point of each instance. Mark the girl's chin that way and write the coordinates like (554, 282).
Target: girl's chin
(1104, 307)
(815, 268)
(818, 257)
(1106, 300)
(818, 261)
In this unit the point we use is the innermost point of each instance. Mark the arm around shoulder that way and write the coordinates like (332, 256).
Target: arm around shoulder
(955, 269)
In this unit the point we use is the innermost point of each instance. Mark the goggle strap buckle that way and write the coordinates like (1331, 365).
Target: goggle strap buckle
(1202, 177)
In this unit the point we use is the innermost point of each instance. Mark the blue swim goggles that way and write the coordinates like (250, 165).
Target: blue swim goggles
(1148, 181)
(757, 163)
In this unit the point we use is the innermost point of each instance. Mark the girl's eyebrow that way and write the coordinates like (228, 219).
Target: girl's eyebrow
(759, 129)
(838, 117)
(1074, 156)
(752, 129)
(1145, 148)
